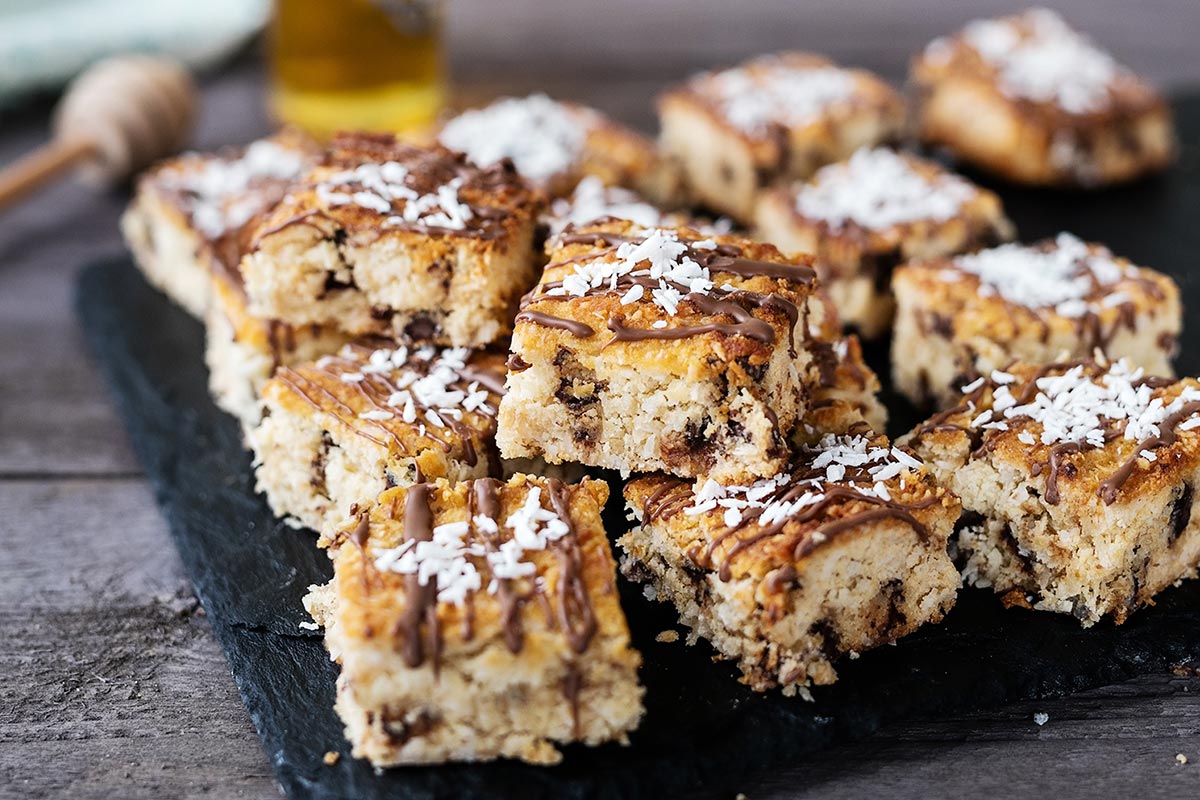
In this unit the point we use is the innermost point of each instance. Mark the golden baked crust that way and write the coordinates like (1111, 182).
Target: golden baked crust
(607, 375)
(190, 215)
(1078, 480)
(516, 623)
(598, 243)
(843, 551)
(862, 217)
(1080, 475)
(774, 117)
(389, 238)
(1031, 100)
(339, 430)
(1058, 298)
(556, 144)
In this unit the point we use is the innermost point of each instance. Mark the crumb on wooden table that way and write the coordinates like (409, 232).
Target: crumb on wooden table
(1180, 758)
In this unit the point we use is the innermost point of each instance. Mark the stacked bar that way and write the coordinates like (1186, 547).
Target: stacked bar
(1060, 298)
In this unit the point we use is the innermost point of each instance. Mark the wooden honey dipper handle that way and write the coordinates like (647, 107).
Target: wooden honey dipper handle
(119, 116)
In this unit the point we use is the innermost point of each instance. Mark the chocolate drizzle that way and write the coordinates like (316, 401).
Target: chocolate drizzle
(1111, 486)
(717, 302)
(575, 328)
(574, 607)
(375, 388)
(483, 499)
(675, 495)
(570, 611)
(420, 603)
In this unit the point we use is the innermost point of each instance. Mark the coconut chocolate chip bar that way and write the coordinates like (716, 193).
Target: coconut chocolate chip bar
(1078, 484)
(772, 118)
(842, 551)
(389, 238)
(477, 621)
(554, 145)
(864, 216)
(341, 430)
(659, 349)
(189, 214)
(1034, 101)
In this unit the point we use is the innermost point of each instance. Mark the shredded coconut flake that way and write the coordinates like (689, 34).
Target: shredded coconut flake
(219, 193)
(660, 257)
(542, 137)
(836, 460)
(1062, 276)
(592, 200)
(1075, 407)
(877, 189)
(427, 381)
(771, 90)
(383, 188)
(450, 558)
(1039, 57)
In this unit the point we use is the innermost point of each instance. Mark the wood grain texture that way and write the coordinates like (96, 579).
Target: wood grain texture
(113, 683)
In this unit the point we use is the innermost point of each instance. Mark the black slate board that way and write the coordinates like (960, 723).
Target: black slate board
(702, 728)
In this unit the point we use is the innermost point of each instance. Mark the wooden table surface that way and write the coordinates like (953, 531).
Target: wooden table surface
(113, 685)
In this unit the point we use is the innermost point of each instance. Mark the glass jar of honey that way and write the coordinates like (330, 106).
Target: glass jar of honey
(356, 64)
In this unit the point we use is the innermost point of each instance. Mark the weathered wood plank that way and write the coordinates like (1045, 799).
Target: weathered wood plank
(114, 685)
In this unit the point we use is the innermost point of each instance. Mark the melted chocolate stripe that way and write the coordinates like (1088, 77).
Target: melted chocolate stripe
(725, 258)
(420, 602)
(1111, 487)
(576, 616)
(483, 499)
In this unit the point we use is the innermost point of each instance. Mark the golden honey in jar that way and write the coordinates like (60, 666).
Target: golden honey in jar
(356, 64)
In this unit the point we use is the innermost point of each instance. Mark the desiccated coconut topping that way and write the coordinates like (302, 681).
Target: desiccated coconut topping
(450, 556)
(1039, 57)
(424, 384)
(843, 461)
(542, 137)
(1066, 275)
(877, 188)
(1083, 408)
(659, 257)
(220, 194)
(771, 90)
(384, 188)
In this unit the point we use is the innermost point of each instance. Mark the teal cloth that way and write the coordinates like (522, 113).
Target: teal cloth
(45, 43)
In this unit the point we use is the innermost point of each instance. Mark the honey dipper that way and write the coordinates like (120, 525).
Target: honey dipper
(117, 117)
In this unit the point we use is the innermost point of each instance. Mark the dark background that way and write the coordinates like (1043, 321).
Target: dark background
(113, 685)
